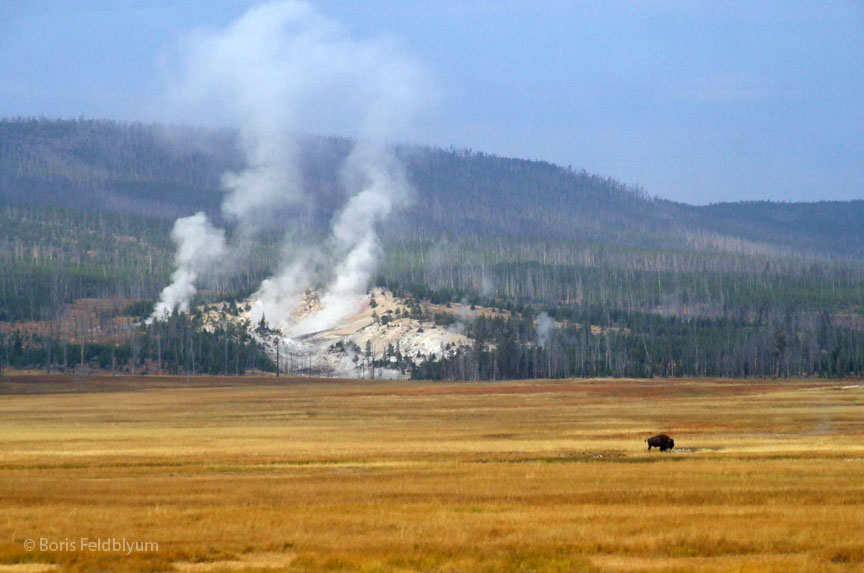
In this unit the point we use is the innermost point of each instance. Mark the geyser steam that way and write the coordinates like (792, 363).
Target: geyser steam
(280, 70)
(545, 329)
(382, 187)
(199, 244)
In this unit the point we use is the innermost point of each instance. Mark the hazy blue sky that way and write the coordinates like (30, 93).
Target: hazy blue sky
(696, 101)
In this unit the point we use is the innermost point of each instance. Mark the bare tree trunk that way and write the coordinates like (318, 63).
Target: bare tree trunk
(114, 354)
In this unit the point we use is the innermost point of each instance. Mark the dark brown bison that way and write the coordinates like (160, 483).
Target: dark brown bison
(661, 441)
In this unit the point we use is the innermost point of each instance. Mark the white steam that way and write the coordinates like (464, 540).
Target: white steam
(278, 296)
(283, 69)
(487, 285)
(545, 329)
(381, 184)
(199, 245)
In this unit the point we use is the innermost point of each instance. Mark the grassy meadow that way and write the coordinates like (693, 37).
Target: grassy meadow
(297, 474)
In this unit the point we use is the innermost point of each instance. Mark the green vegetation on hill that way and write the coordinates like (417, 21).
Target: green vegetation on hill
(733, 289)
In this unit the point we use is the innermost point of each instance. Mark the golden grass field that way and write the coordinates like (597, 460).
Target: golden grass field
(259, 475)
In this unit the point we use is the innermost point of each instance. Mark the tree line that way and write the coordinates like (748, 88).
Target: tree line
(179, 345)
(86, 209)
(599, 343)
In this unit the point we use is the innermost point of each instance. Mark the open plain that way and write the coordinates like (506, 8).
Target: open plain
(260, 474)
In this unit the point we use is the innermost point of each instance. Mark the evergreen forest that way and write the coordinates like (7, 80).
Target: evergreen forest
(627, 284)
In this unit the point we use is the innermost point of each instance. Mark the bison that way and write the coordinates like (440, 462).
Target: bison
(661, 441)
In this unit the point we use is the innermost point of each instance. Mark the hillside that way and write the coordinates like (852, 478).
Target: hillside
(166, 172)
(86, 209)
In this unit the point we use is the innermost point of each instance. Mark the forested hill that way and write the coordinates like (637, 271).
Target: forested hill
(86, 209)
(166, 172)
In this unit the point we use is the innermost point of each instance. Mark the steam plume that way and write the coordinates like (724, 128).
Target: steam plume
(382, 187)
(199, 244)
(545, 329)
(283, 69)
(278, 296)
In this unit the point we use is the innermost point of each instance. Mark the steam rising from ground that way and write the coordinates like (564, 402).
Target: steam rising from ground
(199, 244)
(545, 329)
(278, 71)
(383, 187)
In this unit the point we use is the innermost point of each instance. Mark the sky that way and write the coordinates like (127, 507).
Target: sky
(697, 102)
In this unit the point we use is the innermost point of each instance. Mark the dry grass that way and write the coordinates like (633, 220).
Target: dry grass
(87, 319)
(256, 475)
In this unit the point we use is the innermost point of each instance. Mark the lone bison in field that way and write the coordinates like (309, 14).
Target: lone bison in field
(661, 441)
